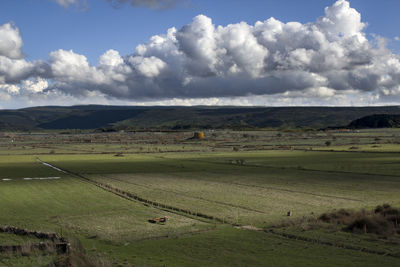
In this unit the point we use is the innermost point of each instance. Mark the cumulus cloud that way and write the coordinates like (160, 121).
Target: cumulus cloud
(270, 57)
(37, 85)
(68, 66)
(10, 41)
(14, 69)
(9, 88)
(327, 59)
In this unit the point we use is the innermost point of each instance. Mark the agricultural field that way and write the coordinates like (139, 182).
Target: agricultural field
(226, 197)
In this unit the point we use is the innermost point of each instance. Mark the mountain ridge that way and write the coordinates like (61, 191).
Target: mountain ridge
(182, 117)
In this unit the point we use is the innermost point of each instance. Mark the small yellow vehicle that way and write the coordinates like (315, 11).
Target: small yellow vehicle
(159, 220)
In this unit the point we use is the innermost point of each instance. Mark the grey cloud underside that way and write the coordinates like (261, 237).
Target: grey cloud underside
(320, 59)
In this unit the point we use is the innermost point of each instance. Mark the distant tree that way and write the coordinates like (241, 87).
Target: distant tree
(328, 143)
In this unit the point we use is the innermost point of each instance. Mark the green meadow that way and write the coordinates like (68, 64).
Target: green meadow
(225, 206)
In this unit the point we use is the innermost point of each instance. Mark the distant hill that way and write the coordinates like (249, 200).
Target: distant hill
(377, 121)
(180, 118)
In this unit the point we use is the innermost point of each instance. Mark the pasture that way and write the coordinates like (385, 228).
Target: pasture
(226, 197)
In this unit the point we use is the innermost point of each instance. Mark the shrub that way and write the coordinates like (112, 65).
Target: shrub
(383, 220)
(328, 143)
(341, 216)
(372, 224)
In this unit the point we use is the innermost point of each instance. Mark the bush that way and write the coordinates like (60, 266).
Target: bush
(372, 224)
(384, 220)
(328, 143)
(341, 216)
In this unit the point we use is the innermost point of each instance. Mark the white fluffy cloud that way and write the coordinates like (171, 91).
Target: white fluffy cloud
(10, 41)
(341, 20)
(37, 85)
(67, 66)
(329, 59)
(148, 66)
(9, 88)
(111, 58)
(14, 69)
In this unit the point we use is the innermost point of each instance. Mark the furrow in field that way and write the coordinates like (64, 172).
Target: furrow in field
(130, 196)
(189, 196)
(286, 167)
(329, 171)
(295, 191)
(332, 244)
(188, 212)
(277, 188)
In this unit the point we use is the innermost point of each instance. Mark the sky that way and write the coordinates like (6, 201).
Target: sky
(192, 52)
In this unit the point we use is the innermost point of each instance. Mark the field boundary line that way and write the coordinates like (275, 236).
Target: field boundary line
(295, 191)
(346, 151)
(270, 187)
(188, 196)
(60, 248)
(290, 168)
(326, 243)
(83, 152)
(190, 214)
(133, 197)
(328, 171)
(60, 243)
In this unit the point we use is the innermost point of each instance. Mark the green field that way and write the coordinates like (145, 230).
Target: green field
(243, 194)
